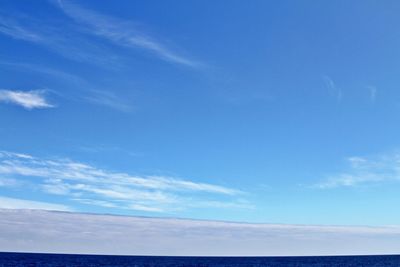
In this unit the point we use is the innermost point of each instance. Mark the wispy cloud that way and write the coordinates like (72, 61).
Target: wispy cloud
(6, 182)
(15, 203)
(67, 42)
(45, 71)
(74, 40)
(372, 93)
(12, 28)
(334, 90)
(31, 230)
(108, 99)
(34, 99)
(366, 170)
(122, 33)
(78, 181)
(85, 89)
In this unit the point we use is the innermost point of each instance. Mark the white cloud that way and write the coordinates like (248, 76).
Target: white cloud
(366, 170)
(14, 203)
(91, 185)
(45, 231)
(34, 99)
(122, 33)
(67, 80)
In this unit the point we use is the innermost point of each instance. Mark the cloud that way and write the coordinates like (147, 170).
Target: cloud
(66, 42)
(34, 99)
(14, 203)
(44, 71)
(61, 232)
(91, 185)
(74, 41)
(13, 29)
(333, 89)
(366, 170)
(86, 91)
(6, 182)
(122, 33)
(108, 99)
(372, 93)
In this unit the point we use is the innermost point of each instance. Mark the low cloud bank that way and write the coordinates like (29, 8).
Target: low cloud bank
(66, 232)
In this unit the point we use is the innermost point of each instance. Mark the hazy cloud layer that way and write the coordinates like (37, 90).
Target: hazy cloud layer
(45, 231)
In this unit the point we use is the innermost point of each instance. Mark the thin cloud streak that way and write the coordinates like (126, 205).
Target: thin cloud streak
(365, 171)
(333, 89)
(85, 88)
(15, 203)
(108, 99)
(70, 44)
(372, 93)
(106, 234)
(75, 181)
(34, 99)
(122, 33)
(13, 29)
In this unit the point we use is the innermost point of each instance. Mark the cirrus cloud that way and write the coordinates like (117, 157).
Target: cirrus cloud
(88, 184)
(364, 171)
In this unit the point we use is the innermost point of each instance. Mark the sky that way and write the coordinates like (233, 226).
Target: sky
(282, 112)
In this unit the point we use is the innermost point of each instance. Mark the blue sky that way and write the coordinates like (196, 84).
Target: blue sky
(282, 112)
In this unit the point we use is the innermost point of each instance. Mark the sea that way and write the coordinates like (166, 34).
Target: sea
(69, 260)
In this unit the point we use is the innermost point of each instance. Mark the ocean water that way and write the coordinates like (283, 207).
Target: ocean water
(61, 260)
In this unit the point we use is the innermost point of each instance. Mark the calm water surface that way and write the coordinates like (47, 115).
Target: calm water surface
(60, 260)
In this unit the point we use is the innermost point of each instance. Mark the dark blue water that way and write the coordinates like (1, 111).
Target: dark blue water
(60, 260)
